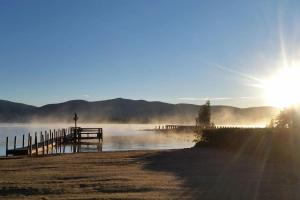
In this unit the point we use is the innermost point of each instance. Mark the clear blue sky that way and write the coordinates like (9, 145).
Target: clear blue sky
(167, 50)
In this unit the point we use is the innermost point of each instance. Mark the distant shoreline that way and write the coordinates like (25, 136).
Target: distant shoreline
(126, 111)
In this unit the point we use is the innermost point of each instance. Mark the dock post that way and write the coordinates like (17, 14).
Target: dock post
(52, 150)
(46, 139)
(23, 143)
(41, 140)
(55, 141)
(99, 134)
(50, 135)
(64, 140)
(30, 148)
(15, 143)
(47, 142)
(50, 139)
(60, 139)
(36, 145)
(43, 143)
(6, 146)
(28, 144)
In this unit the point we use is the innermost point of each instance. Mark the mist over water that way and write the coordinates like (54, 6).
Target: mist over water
(116, 137)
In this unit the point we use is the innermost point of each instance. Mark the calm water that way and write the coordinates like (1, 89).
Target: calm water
(116, 137)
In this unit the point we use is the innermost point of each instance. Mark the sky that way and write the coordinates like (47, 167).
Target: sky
(176, 51)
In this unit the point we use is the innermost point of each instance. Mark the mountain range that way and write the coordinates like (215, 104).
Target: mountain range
(130, 111)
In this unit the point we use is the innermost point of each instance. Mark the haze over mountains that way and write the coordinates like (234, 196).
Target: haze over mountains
(129, 111)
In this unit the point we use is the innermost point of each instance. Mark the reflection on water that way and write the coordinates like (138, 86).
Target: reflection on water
(116, 137)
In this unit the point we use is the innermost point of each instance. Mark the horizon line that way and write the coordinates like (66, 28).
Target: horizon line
(149, 101)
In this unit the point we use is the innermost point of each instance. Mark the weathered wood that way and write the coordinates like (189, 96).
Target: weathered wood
(43, 143)
(52, 143)
(55, 142)
(6, 146)
(15, 143)
(47, 142)
(60, 136)
(23, 143)
(30, 145)
(36, 145)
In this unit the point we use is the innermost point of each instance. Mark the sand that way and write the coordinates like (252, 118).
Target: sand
(170, 174)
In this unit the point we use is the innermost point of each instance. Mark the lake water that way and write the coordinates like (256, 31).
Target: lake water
(116, 137)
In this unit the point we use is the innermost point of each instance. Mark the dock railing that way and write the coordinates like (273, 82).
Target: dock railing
(53, 141)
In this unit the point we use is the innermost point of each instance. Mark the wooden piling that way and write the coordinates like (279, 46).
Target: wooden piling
(23, 143)
(64, 141)
(15, 143)
(6, 147)
(43, 143)
(61, 139)
(52, 141)
(30, 146)
(56, 142)
(36, 145)
(60, 136)
(47, 142)
(98, 135)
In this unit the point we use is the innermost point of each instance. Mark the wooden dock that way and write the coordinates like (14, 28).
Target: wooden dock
(55, 141)
(174, 128)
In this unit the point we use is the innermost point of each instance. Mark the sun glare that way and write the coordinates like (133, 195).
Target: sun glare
(283, 89)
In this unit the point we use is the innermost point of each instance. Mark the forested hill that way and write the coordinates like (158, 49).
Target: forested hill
(129, 111)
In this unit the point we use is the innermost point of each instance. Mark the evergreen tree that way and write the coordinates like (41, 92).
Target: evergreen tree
(204, 117)
(288, 118)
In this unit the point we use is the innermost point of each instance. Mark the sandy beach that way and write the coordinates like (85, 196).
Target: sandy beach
(169, 174)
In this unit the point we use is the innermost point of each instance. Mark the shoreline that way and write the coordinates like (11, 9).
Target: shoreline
(3, 157)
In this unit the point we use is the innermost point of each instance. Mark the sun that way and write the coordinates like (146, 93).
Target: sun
(283, 89)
